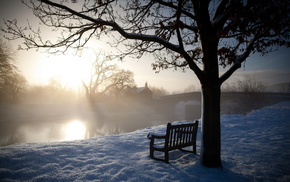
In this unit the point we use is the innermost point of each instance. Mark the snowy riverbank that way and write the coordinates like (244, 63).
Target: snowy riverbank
(255, 147)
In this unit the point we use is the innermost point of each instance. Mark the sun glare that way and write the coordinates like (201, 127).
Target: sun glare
(68, 69)
(75, 130)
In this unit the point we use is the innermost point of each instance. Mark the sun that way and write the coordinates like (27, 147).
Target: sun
(72, 68)
(68, 69)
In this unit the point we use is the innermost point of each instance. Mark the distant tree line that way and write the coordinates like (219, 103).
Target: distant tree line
(51, 93)
(249, 92)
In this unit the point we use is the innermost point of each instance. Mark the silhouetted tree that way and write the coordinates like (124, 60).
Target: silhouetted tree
(121, 81)
(14, 87)
(198, 34)
(106, 77)
(248, 83)
(12, 82)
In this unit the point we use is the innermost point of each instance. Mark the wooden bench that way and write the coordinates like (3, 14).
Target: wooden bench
(176, 137)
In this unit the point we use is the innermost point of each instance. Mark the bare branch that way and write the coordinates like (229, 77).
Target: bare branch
(116, 27)
(171, 5)
(237, 62)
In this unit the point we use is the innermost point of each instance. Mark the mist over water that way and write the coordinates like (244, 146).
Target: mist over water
(54, 120)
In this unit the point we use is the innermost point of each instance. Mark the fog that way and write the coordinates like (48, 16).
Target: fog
(55, 117)
(59, 122)
(61, 117)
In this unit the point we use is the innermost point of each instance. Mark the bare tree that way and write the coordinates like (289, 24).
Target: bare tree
(101, 72)
(106, 77)
(121, 81)
(12, 82)
(248, 92)
(14, 87)
(6, 62)
(248, 83)
(199, 34)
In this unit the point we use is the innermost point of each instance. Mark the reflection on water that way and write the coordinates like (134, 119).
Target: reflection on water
(32, 132)
(34, 123)
(75, 130)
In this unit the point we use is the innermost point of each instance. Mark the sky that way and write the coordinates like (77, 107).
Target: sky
(38, 67)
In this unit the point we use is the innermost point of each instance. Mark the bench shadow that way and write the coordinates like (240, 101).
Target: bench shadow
(187, 166)
(177, 155)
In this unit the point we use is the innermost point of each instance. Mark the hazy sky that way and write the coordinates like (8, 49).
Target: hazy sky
(38, 67)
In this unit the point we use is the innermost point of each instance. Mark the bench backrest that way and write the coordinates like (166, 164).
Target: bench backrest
(183, 135)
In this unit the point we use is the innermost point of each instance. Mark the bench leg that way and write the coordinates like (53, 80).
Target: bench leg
(194, 149)
(151, 153)
(166, 156)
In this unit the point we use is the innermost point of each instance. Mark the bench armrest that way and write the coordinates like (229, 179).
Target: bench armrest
(155, 135)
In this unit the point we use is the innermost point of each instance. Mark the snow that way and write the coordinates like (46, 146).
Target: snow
(255, 147)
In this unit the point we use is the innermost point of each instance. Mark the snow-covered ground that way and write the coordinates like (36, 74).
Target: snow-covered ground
(255, 147)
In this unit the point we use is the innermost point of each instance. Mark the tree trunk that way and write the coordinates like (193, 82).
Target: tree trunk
(210, 129)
